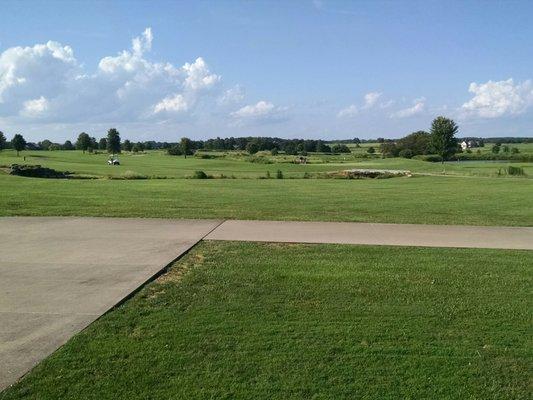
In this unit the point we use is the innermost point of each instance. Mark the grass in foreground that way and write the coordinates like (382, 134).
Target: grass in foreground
(424, 200)
(241, 320)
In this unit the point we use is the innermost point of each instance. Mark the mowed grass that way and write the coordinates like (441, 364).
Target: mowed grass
(425, 200)
(270, 321)
(233, 164)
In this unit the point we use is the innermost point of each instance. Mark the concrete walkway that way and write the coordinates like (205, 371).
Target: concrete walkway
(57, 275)
(376, 234)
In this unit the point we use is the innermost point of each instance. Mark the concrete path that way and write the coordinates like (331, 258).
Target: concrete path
(376, 234)
(57, 275)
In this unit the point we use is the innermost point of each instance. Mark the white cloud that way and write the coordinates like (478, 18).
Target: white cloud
(35, 107)
(176, 103)
(47, 81)
(497, 99)
(371, 99)
(349, 111)
(198, 75)
(417, 108)
(232, 95)
(262, 111)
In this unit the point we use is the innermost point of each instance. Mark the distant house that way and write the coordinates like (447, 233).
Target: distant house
(470, 143)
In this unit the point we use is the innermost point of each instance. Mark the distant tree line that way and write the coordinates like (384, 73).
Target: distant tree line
(440, 140)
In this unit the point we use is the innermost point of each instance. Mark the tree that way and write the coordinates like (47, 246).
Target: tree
(186, 146)
(496, 148)
(68, 145)
(417, 142)
(102, 144)
(113, 141)
(19, 143)
(2, 141)
(371, 150)
(45, 144)
(83, 142)
(442, 135)
(252, 147)
(340, 148)
(127, 145)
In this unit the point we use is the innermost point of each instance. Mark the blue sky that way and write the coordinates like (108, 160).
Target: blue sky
(332, 69)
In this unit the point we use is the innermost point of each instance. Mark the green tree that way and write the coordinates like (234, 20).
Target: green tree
(340, 148)
(45, 144)
(186, 146)
(371, 150)
(252, 147)
(83, 142)
(442, 135)
(102, 144)
(496, 148)
(113, 141)
(18, 143)
(417, 142)
(68, 145)
(127, 145)
(2, 141)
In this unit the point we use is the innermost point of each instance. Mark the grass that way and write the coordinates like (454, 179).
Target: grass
(425, 200)
(270, 321)
(159, 164)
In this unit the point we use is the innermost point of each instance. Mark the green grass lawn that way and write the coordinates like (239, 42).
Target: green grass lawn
(159, 164)
(269, 321)
(426, 200)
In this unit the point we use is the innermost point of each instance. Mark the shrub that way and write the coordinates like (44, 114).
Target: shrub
(173, 151)
(515, 170)
(200, 175)
(274, 151)
(340, 148)
(429, 158)
(279, 174)
(133, 175)
(406, 153)
(258, 160)
(36, 171)
(371, 150)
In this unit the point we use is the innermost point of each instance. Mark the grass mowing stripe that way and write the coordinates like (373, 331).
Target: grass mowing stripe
(278, 321)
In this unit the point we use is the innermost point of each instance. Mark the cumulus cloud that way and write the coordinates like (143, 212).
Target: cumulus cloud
(232, 95)
(350, 111)
(370, 101)
(500, 98)
(47, 81)
(176, 103)
(263, 111)
(417, 108)
(35, 107)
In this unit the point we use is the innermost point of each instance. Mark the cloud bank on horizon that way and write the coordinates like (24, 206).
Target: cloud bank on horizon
(46, 85)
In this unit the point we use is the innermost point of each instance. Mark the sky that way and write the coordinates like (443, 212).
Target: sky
(159, 70)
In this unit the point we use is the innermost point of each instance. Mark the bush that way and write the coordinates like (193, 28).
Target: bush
(274, 151)
(36, 171)
(133, 175)
(259, 160)
(200, 175)
(173, 151)
(340, 148)
(429, 158)
(371, 150)
(406, 153)
(515, 170)
(279, 174)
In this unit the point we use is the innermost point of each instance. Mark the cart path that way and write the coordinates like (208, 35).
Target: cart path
(489, 237)
(58, 274)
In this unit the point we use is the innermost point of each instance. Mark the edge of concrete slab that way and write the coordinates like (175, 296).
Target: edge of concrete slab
(120, 302)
